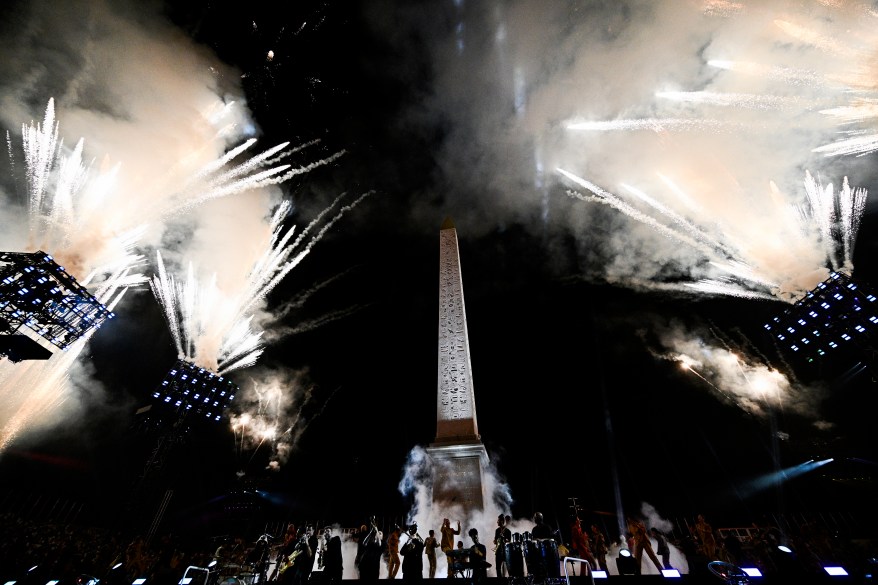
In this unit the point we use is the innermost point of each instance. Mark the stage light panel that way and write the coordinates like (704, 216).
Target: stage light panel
(831, 313)
(599, 574)
(188, 387)
(835, 571)
(752, 571)
(38, 294)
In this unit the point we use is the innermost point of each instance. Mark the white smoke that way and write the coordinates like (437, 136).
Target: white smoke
(507, 80)
(157, 109)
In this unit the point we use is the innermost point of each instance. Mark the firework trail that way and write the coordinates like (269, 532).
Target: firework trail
(655, 125)
(65, 214)
(834, 217)
(263, 423)
(272, 414)
(806, 80)
(89, 225)
(298, 300)
(213, 327)
(739, 100)
(281, 332)
(838, 80)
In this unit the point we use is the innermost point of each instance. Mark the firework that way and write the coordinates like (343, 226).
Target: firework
(213, 328)
(94, 225)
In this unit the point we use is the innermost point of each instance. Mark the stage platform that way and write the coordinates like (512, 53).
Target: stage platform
(683, 579)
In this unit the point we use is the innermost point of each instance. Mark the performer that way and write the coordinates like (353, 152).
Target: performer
(323, 541)
(579, 541)
(333, 561)
(448, 534)
(541, 554)
(599, 547)
(662, 549)
(223, 553)
(641, 542)
(258, 557)
(478, 557)
(370, 562)
(413, 556)
(293, 561)
(457, 560)
(313, 546)
(502, 535)
(364, 536)
(393, 562)
(288, 545)
(706, 539)
(430, 546)
(541, 529)
(290, 536)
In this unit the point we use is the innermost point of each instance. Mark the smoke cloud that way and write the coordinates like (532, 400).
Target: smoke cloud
(154, 114)
(716, 114)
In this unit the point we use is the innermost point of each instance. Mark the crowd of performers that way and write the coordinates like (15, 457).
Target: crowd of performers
(330, 554)
(404, 552)
(538, 553)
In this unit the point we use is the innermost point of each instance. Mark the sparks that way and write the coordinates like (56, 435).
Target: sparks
(745, 274)
(93, 223)
(213, 328)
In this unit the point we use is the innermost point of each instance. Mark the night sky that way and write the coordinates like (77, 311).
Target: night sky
(575, 312)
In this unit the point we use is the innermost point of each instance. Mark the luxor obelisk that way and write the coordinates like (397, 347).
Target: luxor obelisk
(458, 456)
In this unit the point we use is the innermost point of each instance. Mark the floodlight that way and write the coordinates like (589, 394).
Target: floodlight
(212, 564)
(784, 548)
(53, 582)
(139, 581)
(752, 571)
(116, 566)
(185, 581)
(626, 563)
(835, 571)
(10, 583)
(599, 574)
(674, 573)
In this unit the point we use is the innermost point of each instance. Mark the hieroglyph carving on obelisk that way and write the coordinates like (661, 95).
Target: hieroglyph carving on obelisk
(456, 410)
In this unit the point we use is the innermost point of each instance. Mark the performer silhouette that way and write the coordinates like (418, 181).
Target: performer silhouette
(478, 557)
(502, 535)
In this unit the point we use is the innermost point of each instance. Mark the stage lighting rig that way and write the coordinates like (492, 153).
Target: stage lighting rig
(187, 394)
(39, 298)
(190, 389)
(838, 314)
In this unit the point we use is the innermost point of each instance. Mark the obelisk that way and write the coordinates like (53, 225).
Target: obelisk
(457, 454)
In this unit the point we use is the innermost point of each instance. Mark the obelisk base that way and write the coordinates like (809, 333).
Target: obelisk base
(458, 473)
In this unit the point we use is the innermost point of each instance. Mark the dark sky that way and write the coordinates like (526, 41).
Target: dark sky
(576, 313)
